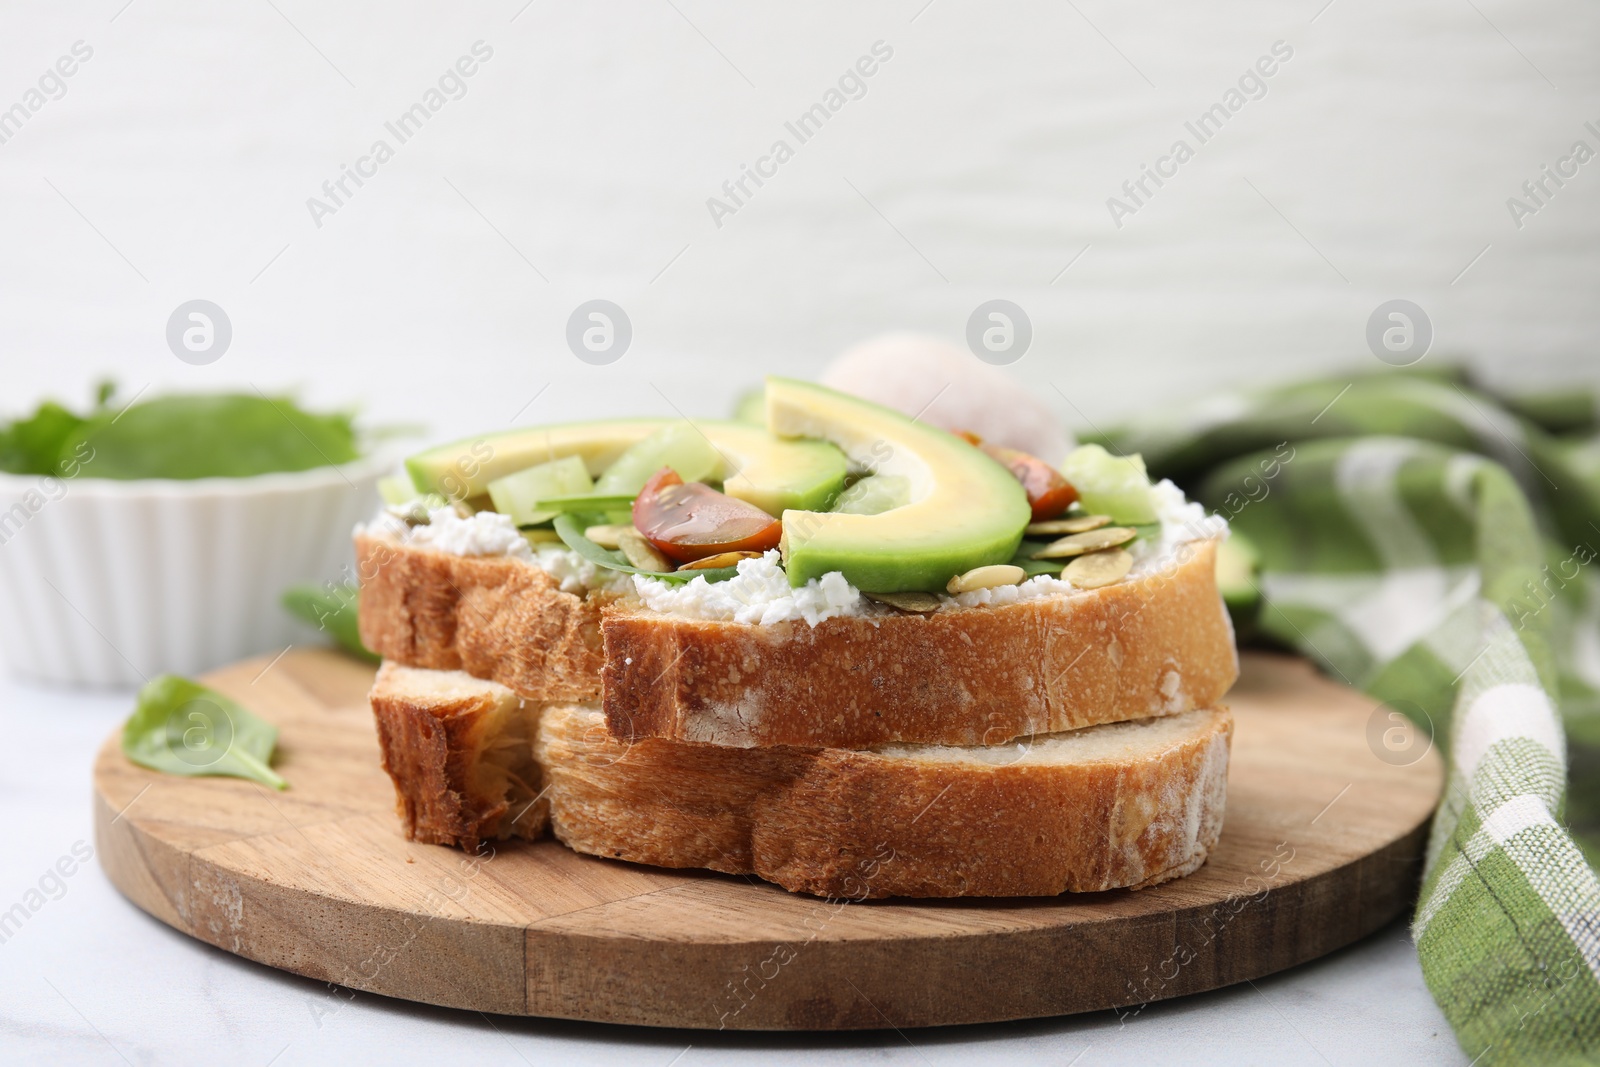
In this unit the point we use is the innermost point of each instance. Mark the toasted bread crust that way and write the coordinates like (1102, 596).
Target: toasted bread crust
(493, 617)
(853, 824)
(1153, 645)
(431, 744)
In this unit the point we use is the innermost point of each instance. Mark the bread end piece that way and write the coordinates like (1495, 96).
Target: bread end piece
(460, 753)
(491, 616)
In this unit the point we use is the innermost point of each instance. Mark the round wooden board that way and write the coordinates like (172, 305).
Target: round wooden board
(1322, 845)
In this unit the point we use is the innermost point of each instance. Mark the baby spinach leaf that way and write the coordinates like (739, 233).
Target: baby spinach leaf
(333, 609)
(182, 727)
(1035, 567)
(34, 444)
(587, 502)
(226, 435)
(570, 529)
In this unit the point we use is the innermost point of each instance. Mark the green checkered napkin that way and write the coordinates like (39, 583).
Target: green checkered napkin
(1437, 547)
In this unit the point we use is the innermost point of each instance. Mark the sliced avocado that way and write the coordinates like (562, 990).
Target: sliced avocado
(772, 474)
(875, 494)
(964, 511)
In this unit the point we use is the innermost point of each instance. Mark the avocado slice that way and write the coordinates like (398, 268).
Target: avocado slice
(772, 474)
(964, 510)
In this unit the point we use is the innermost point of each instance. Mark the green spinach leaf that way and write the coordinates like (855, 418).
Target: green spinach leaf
(218, 435)
(182, 727)
(334, 609)
(570, 527)
(33, 445)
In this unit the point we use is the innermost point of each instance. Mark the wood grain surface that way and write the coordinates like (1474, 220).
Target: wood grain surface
(1322, 845)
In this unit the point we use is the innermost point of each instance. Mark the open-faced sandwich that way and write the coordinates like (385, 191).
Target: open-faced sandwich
(840, 642)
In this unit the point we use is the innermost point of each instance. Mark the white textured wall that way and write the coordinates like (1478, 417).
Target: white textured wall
(591, 140)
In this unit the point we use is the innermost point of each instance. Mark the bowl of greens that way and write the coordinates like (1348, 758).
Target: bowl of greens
(157, 535)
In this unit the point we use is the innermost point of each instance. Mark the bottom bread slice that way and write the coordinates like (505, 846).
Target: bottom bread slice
(1124, 805)
(460, 754)
(1104, 807)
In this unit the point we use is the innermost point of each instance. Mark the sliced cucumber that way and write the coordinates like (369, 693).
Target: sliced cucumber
(677, 445)
(1237, 565)
(520, 495)
(1111, 485)
(397, 489)
(875, 494)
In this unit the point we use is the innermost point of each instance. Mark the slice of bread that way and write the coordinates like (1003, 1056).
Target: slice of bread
(492, 616)
(1106, 807)
(1121, 805)
(1158, 643)
(460, 754)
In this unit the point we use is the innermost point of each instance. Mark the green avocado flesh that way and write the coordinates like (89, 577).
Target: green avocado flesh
(964, 510)
(772, 474)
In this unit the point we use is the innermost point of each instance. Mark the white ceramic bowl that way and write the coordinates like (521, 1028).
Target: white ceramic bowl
(108, 582)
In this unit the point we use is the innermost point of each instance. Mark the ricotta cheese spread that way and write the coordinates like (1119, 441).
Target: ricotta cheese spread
(486, 533)
(759, 593)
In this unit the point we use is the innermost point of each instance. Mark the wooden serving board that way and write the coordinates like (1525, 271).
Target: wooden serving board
(1321, 846)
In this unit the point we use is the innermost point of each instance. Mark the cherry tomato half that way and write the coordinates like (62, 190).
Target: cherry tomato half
(690, 522)
(1049, 494)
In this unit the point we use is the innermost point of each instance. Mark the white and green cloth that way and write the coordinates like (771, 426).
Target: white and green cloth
(1437, 547)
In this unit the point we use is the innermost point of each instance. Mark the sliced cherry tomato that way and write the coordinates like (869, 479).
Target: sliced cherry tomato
(690, 522)
(1049, 494)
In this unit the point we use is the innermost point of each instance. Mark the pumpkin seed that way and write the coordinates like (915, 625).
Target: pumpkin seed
(721, 559)
(641, 553)
(1090, 541)
(916, 603)
(986, 578)
(605, 536)
(1075, 525)
(1098, 568)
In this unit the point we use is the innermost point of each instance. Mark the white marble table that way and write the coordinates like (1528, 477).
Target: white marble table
(89, 978)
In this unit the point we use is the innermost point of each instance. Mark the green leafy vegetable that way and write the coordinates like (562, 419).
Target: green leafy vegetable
(570, 529)
(586, 502)
(1035, 567)
(332, 609)
(187, 436)
(33, 445)
(212, 436)
(182, 727)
